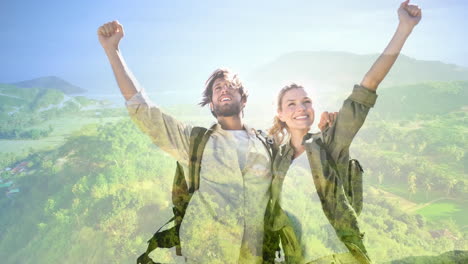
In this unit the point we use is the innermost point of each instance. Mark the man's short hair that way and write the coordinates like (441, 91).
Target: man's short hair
(224, 73)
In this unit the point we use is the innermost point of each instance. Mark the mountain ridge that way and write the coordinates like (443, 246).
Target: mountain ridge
(332, 71)
(51, 82)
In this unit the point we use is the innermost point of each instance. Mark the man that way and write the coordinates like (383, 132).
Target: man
(224, 220)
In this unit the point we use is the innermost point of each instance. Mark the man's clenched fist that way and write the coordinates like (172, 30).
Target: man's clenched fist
(110, 34)
(326, 120)
(409, 15)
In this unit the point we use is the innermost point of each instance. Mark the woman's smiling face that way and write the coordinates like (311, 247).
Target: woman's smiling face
(296, 110)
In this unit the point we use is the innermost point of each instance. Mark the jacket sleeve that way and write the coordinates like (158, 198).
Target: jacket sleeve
(350, 118)
(165, 131)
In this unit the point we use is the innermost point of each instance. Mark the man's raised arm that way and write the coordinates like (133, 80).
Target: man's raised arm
(109, 36)
(165, 131)
(409, 16)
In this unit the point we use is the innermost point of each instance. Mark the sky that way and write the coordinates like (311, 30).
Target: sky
(179, 43)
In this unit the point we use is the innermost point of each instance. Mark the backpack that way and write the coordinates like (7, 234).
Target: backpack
(182, 191)
(352, 181)
(353, 188)
(353, 185)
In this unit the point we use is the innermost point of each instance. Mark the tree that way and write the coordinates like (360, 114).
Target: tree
(449, 186)
(411, 183)
(422, 146)
(428, 186)
(380, 177)
(396, 171)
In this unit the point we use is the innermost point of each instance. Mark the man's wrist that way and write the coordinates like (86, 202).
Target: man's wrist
(405, 28)
(111, 50)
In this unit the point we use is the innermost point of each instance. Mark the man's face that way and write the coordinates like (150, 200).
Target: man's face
(226, 100)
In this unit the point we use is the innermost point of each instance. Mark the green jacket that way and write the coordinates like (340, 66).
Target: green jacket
(328, 182)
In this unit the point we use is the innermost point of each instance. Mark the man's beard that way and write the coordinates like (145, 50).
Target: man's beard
(227, 110)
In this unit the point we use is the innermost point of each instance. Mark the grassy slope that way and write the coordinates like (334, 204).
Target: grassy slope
(63, 127)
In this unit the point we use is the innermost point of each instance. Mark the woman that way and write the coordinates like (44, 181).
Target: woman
(297, 211)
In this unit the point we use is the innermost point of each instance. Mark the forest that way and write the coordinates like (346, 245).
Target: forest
(102, 193)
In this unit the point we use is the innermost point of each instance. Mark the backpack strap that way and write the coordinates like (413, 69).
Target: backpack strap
(181, 195)
(271, 238)
(268, 142)
(198, 139)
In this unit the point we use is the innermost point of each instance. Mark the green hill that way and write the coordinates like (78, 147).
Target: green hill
(29, 99)
(428, 98)
(51, 82)
(102, 194)
(323, 71)
(453, 257)
(24, 111)
(85, 200)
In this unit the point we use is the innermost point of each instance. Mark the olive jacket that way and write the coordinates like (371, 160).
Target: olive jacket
(328, 181)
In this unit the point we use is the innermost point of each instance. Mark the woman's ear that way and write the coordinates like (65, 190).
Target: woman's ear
(279, 114)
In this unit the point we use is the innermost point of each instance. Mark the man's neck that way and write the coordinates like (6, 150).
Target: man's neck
(231, 122)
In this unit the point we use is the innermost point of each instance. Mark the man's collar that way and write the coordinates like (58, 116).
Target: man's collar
(250, 131)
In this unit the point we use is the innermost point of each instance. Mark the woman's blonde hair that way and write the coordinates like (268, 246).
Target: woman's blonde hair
(279, 130)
